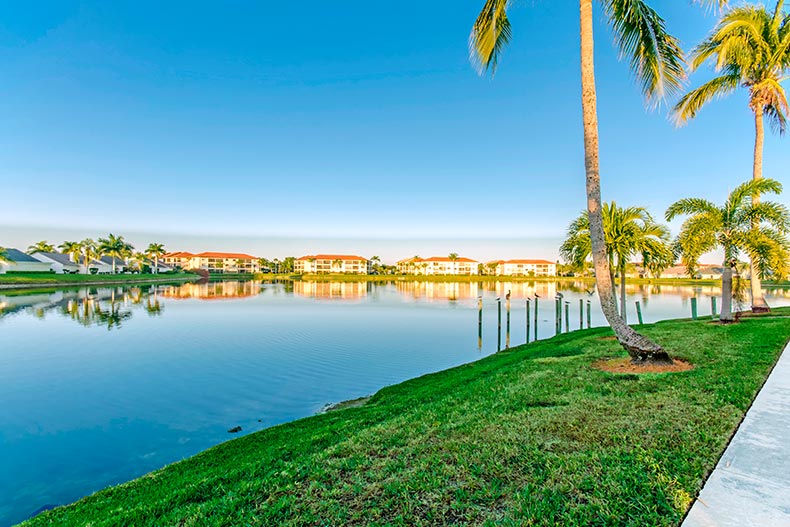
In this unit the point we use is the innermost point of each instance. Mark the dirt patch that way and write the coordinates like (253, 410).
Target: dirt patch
(607, 338)
(626, 366)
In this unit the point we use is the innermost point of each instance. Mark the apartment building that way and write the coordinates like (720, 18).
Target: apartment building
(332, 263)
(214, 262)
(438, 265)
(524, 267)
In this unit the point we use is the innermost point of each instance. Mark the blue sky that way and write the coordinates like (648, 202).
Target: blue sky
(287, 128)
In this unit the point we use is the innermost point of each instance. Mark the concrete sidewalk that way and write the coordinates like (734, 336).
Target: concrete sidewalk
(751, 483)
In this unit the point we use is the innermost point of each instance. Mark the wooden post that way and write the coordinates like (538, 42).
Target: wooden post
(567, 317)
(536, 317)
(694, 308)
(507, 330)
(527, 320)
(581, 313)
(589, 316)
(639, 311)
(713, 307)
(479, 322)
(557, 316)
(499, 324)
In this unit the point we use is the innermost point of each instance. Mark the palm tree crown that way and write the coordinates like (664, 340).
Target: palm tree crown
(41, 247)
(750, 48)
(155, 251)
(115, 247)
(731, 228)
(73, 249)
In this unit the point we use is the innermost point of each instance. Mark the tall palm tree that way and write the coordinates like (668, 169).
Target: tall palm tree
(155, 251)
(41, 247)
(336, 263)
(657, 61)
(89, 252)
(731, 228)
(115, 247)
(628, 232)
(750, 48)
(73, 249)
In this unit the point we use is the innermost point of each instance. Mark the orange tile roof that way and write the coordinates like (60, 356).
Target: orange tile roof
(527, 262)
(333, 257)
(179, 254)
(235, 256)
(446, 259)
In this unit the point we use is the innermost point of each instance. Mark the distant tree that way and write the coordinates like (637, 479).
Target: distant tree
(336, 263)
(115, 247)
(89, 252)
(730, 228)
(155, 251)
(41, 247)
(750, 48)
(73, 249)
(454, 258)
(288, 264)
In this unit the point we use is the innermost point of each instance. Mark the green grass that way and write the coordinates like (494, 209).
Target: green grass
(531, 436)
(52, 278)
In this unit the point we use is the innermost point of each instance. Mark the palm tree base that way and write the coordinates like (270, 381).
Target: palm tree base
(642, 350)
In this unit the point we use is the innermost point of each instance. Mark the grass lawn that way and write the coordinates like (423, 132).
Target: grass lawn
(530, 436)
(52, 278)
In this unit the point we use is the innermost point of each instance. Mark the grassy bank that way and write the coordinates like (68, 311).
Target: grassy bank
(531, 436)
(38, 279)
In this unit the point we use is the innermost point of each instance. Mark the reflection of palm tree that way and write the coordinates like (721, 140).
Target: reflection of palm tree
(751, 49)
(657, 58)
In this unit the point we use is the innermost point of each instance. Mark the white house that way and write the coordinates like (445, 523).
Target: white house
(23, 263)
(59, 262)
(438, 265)
(332, 263)
(525, 268)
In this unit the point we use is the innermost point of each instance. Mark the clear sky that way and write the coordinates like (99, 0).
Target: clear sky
(283, 128)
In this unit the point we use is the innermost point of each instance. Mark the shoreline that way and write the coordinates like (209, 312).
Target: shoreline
(79, 283)
(498, 414)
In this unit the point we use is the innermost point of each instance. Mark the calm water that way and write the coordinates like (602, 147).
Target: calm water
(100, 385)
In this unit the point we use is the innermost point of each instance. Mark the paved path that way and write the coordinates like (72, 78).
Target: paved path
(751, 484)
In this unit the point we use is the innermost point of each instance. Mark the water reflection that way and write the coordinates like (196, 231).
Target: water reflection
(332, 290)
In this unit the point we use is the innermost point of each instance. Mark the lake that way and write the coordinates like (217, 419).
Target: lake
(99, 385)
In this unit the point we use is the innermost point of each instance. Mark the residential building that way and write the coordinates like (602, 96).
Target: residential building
(23, 263)
(523, 267)
(60, 263)
(438, 265)
(332, 263)
(704, 271)
(213, 262)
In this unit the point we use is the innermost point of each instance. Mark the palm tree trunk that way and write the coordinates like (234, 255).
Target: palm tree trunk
(726, 292)
(622, 292)
(759, 305)
(639, 347)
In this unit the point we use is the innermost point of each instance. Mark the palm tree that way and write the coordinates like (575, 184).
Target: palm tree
(41, 247)
(155, 251)
(89, 252)
(453, 258)
(115, 247)
(751, 49)
(336, 263)
(657, 61)
(138, 260)
(731, 228)
(627, 232)
(73, 249)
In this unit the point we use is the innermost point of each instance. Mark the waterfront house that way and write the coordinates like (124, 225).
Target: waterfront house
(23, 263)
(332, 263)
(438, 265)
(213, 262)
(523, 267)
(59, 262)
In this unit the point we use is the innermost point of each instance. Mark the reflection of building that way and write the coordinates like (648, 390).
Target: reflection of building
(331, 290)
(332, 263)
(522, 289)
(439, 290)
(438, 265)
(214, 262)
(214, 290)
(524, 268)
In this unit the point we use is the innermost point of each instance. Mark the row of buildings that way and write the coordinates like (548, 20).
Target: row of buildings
(433, 266)
(59, 263)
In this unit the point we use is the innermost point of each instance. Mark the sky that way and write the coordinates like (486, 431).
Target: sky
(290, 128)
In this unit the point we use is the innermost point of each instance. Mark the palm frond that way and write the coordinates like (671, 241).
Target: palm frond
(490, 34)
(655, 56)
(688, 206)
(690, 104)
